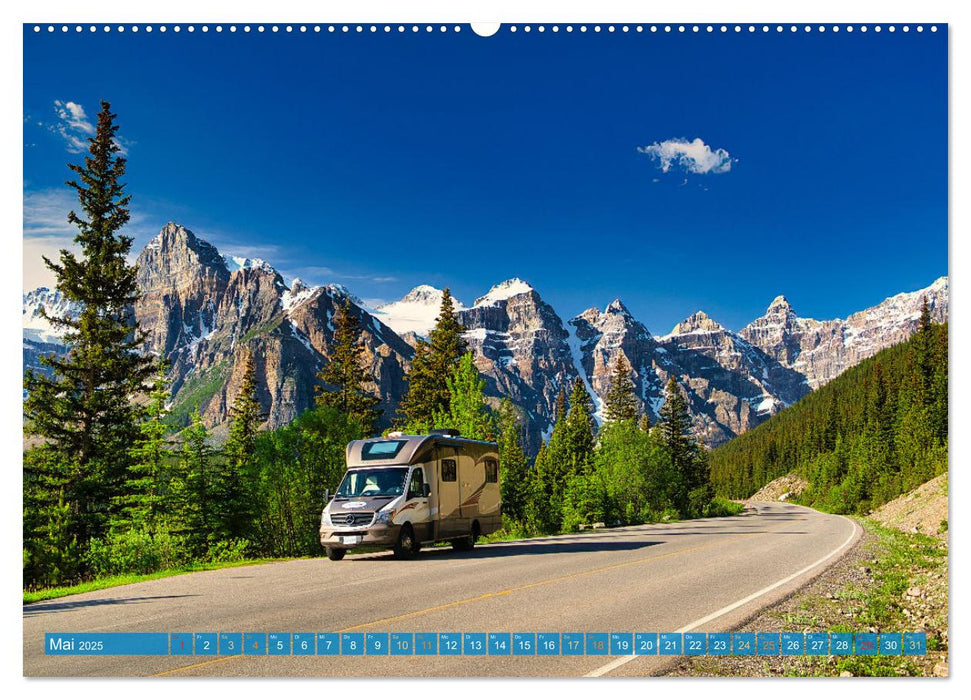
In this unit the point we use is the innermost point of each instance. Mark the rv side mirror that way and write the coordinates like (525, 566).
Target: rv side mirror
(326, 497)
(426, 490)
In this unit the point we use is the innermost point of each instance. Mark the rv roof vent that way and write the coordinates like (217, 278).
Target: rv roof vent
(449, 432)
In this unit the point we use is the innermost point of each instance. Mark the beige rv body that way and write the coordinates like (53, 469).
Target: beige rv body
(449, 492)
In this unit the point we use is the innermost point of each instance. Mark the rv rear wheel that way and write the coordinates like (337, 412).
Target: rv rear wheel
(464, 544)
(335, 554)
(407, 546)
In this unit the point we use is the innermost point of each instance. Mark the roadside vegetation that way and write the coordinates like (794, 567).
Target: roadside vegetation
(892, 581)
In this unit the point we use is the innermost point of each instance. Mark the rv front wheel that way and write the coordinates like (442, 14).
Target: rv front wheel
(406, 547)
(335, 554)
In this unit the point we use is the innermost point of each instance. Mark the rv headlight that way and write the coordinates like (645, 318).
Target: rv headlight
(325, 518)
(383, 517)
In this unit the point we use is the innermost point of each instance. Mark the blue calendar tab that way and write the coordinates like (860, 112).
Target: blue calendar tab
(669, 644)
(597, 644)
(768, 644)
(403, 644)
(695, 643)
(474, 644)
(645, 643)
(890, 644)
(524, 644)
(304, 643)
(719, 644)
(840, 643)
(548, 643)
(328, 644)
(817, 644)
(572, 643)
(254, 643)
(180, 643)
(793, 643)
(743, 644)
(106, 644)
(426, 644)
(278, 643)
(352, 644)
(500, 644)
(450, 644)
(621, 644)
(376, 643)
(207, 644)
(915, 643)
(230, 643)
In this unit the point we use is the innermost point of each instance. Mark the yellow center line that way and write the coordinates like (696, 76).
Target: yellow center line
(474, 599)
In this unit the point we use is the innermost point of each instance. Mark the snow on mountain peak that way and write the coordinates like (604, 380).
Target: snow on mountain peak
(503, 291)
(35, 326)
(238, 262)
(780, 303)
(415, 312)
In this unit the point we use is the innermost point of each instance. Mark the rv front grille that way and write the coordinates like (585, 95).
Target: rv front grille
(352, 519)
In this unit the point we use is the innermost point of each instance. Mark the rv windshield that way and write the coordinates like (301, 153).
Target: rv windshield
(389, 481)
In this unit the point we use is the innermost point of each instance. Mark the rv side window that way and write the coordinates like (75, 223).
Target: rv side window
(416, 489)
(448, 470)
(491, 471)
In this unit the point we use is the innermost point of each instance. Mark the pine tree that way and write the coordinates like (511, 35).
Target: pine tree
(231, 498)
(468, 411)
(644, 423)
(579, 430)
(417, 408)
(84, 409)
(675, 432)
(514, 476)
(193, 490)
(428, 393)
(147, 489)
(345, 371)
(621, 404)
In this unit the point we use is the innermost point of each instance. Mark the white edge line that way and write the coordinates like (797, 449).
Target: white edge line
(617, 663)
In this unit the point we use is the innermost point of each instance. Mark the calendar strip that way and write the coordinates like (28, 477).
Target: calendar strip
(485, 644)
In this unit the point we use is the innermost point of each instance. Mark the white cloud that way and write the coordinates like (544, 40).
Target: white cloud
(74, 126)
(695, 157)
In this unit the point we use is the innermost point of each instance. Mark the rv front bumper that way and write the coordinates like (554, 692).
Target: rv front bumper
(348, 538)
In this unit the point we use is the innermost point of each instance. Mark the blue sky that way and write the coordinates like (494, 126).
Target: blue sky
(386, 161)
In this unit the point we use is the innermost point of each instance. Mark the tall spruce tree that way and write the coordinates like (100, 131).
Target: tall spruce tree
(193, 489)
(428, 393)
(580, 428)
(688, 461)
(83, 410)
(346, 373)
(514, 476)
(230, 496)
(147, 493)
(621, 404)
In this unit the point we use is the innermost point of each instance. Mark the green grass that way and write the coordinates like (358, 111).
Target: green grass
(124, 579)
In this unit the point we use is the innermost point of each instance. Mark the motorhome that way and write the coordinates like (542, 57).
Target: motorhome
(409, 491)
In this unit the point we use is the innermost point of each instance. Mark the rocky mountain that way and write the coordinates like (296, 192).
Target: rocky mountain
(205, 312)
(821, 350)
(522, 349)
(731, 385)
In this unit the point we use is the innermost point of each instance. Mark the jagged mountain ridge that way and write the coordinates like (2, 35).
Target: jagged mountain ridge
(203, 311)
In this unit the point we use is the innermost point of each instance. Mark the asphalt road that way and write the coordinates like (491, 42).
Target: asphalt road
(700, 575)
